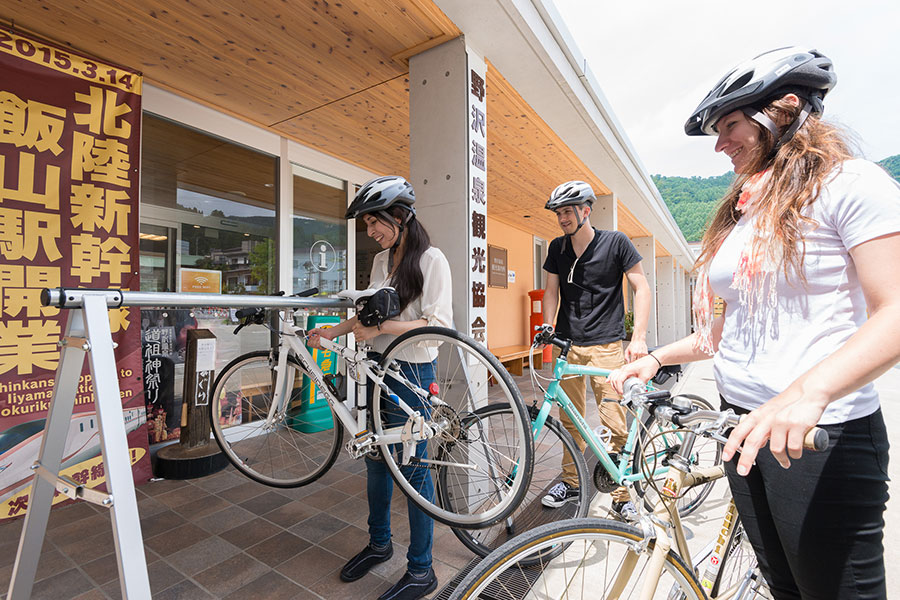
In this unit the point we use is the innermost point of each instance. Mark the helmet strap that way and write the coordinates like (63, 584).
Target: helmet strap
(769, 124)
(581, 222)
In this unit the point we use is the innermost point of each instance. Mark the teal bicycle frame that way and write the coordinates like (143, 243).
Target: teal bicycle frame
(622, 472)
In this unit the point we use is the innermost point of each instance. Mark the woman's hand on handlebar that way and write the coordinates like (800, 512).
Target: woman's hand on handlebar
(643, 368)
(783, 422)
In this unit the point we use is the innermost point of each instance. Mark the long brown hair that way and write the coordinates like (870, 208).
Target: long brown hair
(798, 171)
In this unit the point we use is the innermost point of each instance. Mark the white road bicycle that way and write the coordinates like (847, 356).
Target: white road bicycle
(268, 421)
(601, 558)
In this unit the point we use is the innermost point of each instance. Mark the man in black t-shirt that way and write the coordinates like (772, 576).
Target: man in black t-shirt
(585, 269)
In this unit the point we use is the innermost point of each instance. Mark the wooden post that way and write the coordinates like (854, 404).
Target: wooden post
(194, 456)
(199, 374)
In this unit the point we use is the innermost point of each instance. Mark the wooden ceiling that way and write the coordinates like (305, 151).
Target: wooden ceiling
(330, 75)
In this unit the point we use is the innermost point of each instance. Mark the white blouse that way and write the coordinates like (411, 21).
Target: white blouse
(435, 304)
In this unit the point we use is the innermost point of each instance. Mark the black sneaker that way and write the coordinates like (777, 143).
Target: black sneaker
(411, 587)
(559, 494)
(625, 511)
(360, 564)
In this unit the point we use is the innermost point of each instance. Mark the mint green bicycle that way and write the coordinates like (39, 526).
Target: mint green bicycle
(642, 463)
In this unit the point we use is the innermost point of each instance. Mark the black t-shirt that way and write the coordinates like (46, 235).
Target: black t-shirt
(591, 308)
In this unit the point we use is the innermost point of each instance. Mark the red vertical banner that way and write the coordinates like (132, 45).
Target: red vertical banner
(69, 181)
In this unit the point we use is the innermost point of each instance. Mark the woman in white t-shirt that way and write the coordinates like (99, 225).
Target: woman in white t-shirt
(421, 275)
(805, 251)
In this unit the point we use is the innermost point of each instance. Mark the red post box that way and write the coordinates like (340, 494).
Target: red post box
(537, 319)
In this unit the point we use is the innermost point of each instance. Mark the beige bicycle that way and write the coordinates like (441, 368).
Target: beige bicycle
(601, 558)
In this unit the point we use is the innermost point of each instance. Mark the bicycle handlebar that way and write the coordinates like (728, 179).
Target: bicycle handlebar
(257, 315)
(665, 409)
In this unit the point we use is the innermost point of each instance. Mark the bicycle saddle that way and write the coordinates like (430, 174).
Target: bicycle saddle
(374, 306)
(357, 295)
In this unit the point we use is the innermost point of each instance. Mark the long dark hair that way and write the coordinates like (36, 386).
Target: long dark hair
(408, 279)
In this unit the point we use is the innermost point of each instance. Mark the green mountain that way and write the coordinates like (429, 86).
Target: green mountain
(892, 165)
(692, 200)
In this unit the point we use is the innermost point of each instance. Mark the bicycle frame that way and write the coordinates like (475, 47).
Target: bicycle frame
(667, 527)
(621, 472)
(361, 369)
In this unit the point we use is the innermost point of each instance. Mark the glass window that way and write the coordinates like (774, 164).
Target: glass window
(320, 234)
(208, 224)
(218, 199)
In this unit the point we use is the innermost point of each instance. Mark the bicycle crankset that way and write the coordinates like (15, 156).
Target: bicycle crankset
(603, 481)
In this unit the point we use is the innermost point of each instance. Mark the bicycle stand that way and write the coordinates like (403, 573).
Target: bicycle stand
(87, 335)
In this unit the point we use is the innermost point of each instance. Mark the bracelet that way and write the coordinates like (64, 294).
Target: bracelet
(650, 354)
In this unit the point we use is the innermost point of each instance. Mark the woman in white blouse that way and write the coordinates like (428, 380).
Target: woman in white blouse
(421, 275)
(804, 251)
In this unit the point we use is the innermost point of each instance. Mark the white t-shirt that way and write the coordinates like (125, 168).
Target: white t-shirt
(760, 357)
(435, 304)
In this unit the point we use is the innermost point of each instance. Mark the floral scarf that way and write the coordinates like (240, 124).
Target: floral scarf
(756, 272)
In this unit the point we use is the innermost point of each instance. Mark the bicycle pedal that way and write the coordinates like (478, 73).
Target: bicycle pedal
(361, 444)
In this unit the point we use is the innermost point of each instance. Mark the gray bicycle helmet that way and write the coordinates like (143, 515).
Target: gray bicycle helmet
(382, 193)
(571, 193)
(805, 72)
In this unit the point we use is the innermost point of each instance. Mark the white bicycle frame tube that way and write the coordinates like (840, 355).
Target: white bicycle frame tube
(290, 340)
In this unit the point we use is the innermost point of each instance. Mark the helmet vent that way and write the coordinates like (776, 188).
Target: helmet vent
(738, 83)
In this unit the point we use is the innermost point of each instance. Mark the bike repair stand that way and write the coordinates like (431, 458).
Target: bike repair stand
(87, 333)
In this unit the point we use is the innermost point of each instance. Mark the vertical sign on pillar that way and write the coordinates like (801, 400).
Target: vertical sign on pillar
(476, 95)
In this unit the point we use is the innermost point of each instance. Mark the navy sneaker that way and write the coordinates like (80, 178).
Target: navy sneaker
(411, 587)
(360, 564)
(560, 494)
(625, 511)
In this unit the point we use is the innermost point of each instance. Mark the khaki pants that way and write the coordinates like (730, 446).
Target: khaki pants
(612, 415)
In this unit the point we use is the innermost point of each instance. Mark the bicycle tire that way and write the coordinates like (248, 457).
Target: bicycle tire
(476, 468)
(546, 472)
(294, 451)
(594, 548)
(706, 453)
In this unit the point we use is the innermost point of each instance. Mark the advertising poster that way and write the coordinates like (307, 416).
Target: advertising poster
(69, 158)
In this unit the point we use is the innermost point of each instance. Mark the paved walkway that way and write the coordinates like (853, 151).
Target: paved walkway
(224, 536)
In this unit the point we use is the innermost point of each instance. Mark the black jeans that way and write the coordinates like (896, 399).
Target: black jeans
(817, 527)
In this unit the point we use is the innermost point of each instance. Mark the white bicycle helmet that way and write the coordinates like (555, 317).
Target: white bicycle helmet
(382, 193)
(571, 193)
(805, 72)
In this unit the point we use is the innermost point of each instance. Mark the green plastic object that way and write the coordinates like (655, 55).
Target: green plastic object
(309, 407)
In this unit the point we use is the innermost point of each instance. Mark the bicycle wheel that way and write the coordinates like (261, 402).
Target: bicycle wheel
(706, 453)
(548, 455)
(297, 447)
(739, 575)
(447, 377)
(599, 553)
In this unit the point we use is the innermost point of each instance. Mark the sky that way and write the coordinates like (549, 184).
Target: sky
(656, 60)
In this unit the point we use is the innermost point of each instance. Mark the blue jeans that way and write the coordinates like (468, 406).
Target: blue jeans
(380, 485)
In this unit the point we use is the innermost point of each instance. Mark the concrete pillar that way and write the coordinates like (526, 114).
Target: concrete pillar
(605, 214)
(688, 301)
(646, 247)
(665, 300)
(448, 169)
(680, 323)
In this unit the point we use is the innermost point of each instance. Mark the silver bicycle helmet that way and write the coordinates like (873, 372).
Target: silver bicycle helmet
(806, 72)
(382, 193)
(571, 193)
